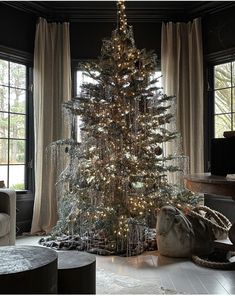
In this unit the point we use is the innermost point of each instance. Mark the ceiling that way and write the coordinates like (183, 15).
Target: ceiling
(105, 11)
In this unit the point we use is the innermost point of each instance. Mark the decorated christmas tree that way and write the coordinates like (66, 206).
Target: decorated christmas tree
(116, 177)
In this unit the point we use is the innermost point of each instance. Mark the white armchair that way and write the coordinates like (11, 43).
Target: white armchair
(7, 217)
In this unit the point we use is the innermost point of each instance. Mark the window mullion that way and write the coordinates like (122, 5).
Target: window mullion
(8, 131)
(231, 96)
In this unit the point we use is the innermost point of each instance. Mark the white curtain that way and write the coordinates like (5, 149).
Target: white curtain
(52, 86)
(182, 69)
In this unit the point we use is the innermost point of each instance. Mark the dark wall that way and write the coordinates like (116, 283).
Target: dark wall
(24, 213)
(18, 32)
(148, 35)
(86, 38)
(17, 29)
(219, 31)
(218, 34)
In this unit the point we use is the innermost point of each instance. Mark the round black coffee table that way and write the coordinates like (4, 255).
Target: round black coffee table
(76, 272)
(28, 270)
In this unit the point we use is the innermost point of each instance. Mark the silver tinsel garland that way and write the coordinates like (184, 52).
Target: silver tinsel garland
(116, 177)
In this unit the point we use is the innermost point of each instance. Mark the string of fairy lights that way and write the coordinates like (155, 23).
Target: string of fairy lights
(122, 16)
(117, 174)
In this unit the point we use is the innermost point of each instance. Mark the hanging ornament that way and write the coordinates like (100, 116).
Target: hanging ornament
(113, 179)
(158, 150)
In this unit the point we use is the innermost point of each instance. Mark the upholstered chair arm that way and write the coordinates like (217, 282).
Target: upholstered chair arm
(8, 206)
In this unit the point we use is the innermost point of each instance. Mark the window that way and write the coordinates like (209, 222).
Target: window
(13, 123)
(81, 78)
(224, 98)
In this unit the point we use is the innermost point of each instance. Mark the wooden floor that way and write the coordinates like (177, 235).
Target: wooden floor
(180, 275)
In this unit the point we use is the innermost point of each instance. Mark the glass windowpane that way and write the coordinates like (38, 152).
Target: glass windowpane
(17, 100)
(158, 74)
(222, 123)
(3, 125)
(78, 127)
(17, 126)
(17, 151)
(79, 81)
(17, 75)
(233, 99)
(233, 73)
(3, 174)
(16, 177)
(3, 151)
(233, 121)
(3, 98)
(223, 101)
(82, 78)
(222, 74)
(4, 72)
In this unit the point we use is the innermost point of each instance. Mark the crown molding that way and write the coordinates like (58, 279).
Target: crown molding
(105, 11)
(12, 54)
(210, 8)
(222, 56)
(31, 7)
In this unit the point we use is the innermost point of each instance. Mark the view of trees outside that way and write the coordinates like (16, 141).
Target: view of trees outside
(224, 94)
(12, 124)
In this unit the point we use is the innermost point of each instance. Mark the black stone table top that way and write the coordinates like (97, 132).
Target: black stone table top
(15, 259)
(74, 259)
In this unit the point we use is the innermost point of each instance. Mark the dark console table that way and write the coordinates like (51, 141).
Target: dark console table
(28, 270)
(210, 184)
(76, 273)
(215, 185)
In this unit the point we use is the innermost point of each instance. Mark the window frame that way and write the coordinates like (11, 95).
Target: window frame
(212, 60)
(26, 59)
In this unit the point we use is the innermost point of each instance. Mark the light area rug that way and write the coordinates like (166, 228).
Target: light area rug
(112, 283)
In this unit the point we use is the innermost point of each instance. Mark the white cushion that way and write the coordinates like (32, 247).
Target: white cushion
(4, 224)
